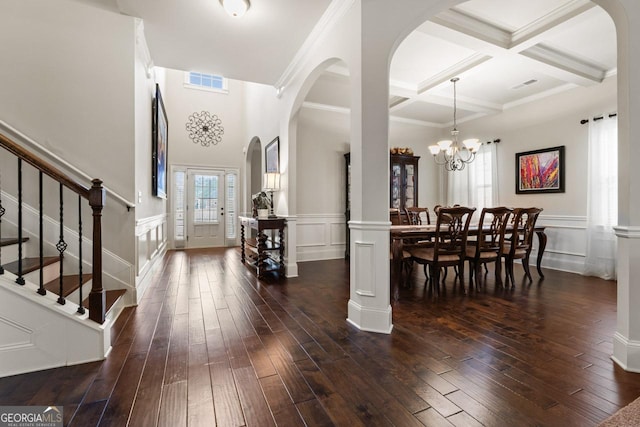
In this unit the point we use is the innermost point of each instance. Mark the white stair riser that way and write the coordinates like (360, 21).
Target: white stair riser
(10, 253)
(86, 288)
(49, 272)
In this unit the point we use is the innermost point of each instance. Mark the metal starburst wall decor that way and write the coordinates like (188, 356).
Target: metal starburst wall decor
(205, 128)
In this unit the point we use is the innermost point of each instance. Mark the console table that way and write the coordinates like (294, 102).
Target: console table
(263, 252)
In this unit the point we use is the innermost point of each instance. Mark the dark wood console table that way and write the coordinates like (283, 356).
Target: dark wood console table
(264, 252)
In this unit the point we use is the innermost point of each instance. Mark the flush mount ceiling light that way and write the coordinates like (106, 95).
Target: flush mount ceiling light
(235, 8)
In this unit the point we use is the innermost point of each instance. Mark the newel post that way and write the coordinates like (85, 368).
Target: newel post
(97, 296)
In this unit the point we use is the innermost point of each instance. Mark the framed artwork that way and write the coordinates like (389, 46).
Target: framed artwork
(160, 134)
(272, 156)
(540, 171)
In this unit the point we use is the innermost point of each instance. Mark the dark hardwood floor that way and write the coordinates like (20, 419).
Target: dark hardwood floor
(210, 344)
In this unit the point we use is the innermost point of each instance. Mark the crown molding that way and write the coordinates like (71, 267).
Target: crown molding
(336, 10)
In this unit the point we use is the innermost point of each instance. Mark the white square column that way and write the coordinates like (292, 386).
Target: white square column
(626, 341)
(369, 307)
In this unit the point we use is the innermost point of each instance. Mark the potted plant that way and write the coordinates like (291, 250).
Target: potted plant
(261, 204)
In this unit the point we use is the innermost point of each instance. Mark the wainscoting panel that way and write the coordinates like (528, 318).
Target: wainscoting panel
(365, 260)
(320, 236)
(566, 242)
(151, 243)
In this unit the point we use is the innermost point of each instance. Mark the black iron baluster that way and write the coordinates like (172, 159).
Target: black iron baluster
(61, 246)
(1, 215)
(41, 289)
(20, 279)
(80, 307)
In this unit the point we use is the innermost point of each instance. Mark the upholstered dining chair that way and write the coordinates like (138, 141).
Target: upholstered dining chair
(486, 248)
(518, 245)
(449, 245)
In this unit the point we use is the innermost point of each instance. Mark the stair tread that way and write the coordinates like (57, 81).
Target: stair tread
(30, 264)
(69, 284)
(6, 241)
(111, 296)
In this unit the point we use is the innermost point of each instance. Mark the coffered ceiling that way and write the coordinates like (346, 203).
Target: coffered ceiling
(505, 52)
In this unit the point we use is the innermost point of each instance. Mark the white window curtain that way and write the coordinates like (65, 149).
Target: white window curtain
(602, 198)
(477, 184)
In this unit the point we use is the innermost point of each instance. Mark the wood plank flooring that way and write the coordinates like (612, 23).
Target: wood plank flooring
(210, 344)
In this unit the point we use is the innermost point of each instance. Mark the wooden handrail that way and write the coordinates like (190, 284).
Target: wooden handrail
(96, 197)
(43, 166)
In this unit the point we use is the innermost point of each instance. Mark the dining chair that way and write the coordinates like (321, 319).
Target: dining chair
(418, 216)
(448, 247)
(486, 248)
(394, 216)
(518, 245)
(407, 260)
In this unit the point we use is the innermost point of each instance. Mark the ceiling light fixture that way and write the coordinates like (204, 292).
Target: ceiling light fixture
(449, 152)
(235, 8)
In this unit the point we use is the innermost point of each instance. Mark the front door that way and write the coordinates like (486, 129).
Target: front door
(205, 208)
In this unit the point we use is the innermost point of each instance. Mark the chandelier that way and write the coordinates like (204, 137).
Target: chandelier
(449, 152)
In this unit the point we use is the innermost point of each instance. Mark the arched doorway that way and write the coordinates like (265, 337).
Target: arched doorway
(322, 133)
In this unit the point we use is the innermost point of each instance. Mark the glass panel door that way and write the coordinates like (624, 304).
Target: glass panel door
(205, 208)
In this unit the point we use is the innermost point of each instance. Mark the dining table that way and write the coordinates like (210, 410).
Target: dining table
(400, 234)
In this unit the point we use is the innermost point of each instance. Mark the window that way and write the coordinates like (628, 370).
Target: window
(210, 82)
(231, 205)
(476, 185)
(602, 198)
(179, 202)
(205, 209)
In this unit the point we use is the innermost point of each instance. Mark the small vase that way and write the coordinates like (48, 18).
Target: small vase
(263, 213)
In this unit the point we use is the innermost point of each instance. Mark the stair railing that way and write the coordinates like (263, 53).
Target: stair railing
(95, 195)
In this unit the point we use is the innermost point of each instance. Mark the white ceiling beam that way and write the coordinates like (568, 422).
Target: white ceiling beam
(464, 103)
(347, 111)
(474, 27)
(576, 70)
(545, 23)
(453, 71)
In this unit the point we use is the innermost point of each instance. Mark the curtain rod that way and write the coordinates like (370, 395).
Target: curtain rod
(583, 121)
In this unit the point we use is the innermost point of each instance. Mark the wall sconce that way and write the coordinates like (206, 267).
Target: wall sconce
(235, 8)
(271, 184)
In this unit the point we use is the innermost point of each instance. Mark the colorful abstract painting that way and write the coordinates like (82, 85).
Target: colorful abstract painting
(540, 171)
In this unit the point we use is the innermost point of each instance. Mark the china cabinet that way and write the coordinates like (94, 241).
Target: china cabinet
(404, 181)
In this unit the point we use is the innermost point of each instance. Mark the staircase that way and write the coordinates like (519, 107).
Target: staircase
(53, 308)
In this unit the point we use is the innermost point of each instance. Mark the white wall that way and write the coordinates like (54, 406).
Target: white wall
(181, 102)
(70, 88)
(551, 122)
(322, 140)
(419, 138)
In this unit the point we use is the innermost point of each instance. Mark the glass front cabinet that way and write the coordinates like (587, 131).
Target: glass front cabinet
(403, 190)
(404, 181)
